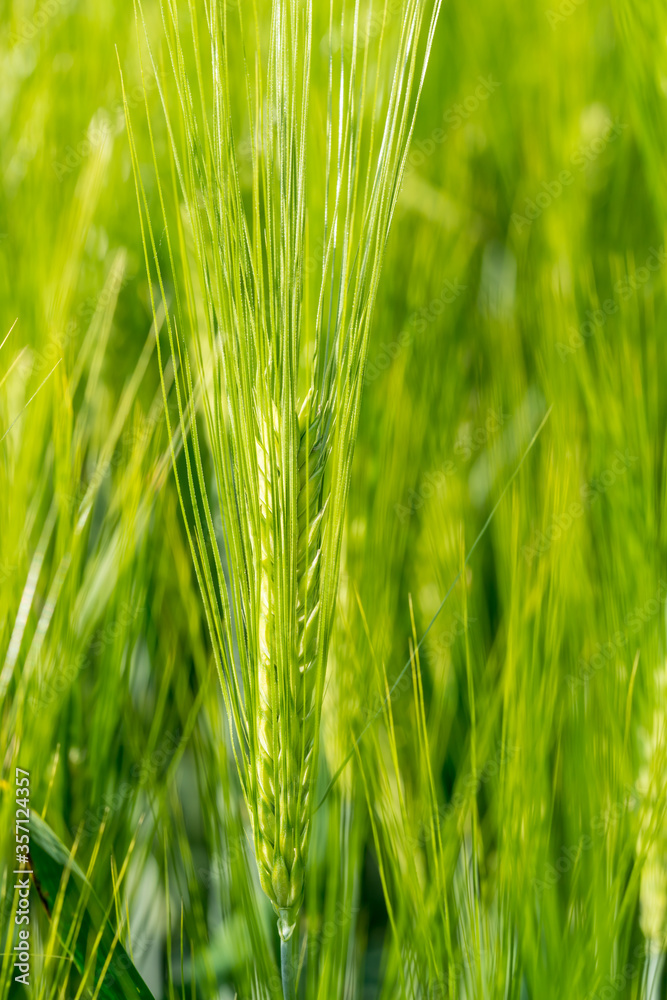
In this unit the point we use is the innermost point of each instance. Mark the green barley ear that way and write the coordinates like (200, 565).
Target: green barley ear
(273, 365)
(283, 821)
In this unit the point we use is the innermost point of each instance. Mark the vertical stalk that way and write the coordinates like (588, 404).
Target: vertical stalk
(288, 959)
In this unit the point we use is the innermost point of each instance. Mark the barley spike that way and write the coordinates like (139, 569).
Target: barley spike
(284, 769)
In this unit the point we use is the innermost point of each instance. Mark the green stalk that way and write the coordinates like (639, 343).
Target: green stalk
(288, 956)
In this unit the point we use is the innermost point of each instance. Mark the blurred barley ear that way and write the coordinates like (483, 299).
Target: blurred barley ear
(279, 372)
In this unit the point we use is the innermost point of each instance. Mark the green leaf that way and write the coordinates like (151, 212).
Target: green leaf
(80, 918)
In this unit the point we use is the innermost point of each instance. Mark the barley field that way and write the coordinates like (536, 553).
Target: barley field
(333, 466)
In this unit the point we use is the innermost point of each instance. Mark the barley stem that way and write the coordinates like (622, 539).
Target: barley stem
(288, 955)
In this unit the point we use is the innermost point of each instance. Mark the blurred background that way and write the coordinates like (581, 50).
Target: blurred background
(500, 831)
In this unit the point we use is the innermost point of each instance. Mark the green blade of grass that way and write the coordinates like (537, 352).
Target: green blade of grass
(54, 871)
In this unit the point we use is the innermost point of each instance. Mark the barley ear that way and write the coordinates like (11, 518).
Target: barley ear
(256, 336)
(284, 762)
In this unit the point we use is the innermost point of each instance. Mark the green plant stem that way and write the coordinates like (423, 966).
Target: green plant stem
(288, 955)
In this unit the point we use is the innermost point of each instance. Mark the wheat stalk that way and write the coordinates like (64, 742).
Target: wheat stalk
(279, 371)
